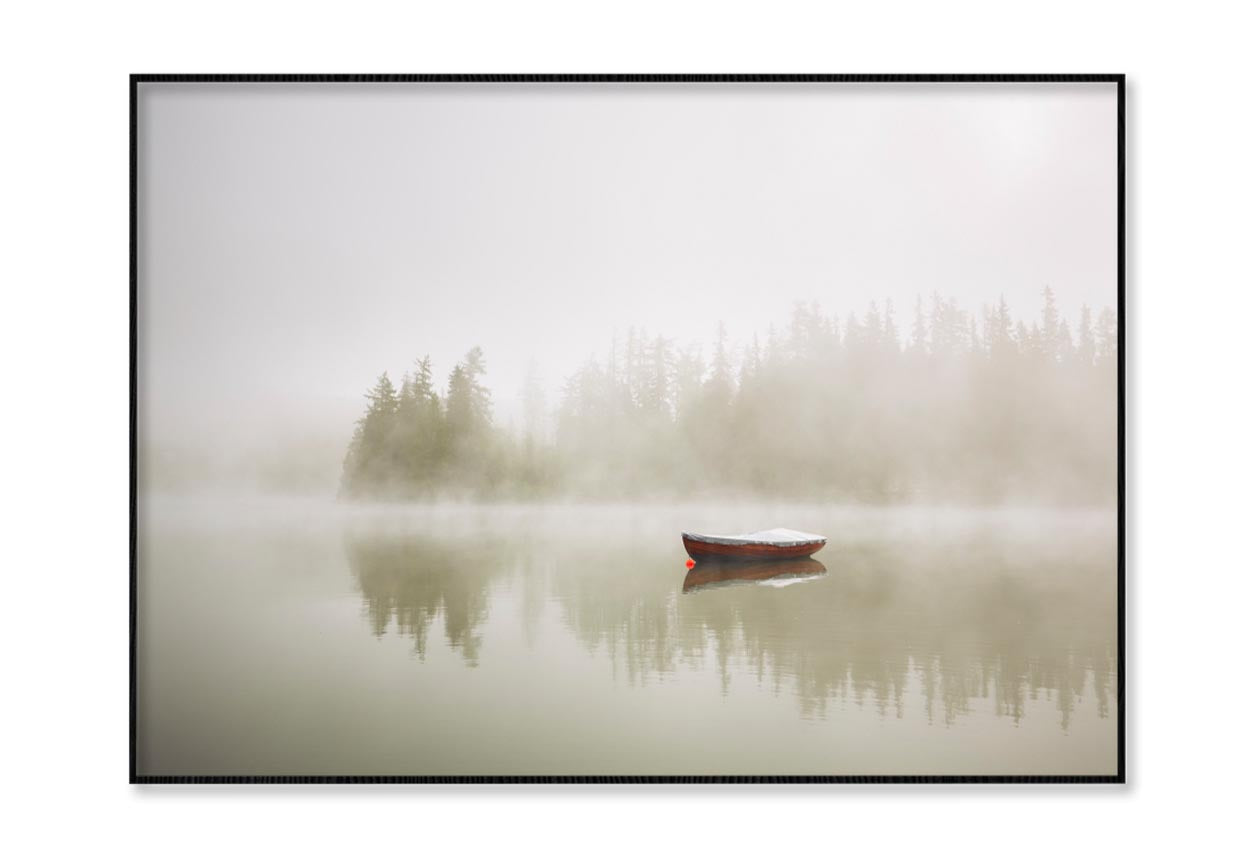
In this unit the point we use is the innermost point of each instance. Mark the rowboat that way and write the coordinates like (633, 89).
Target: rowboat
(720, 573)
(778, 543)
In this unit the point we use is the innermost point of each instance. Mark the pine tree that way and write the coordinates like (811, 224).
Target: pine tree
(1086, 352)
(854, 334)
(656, 385)
(750, 366)
(719, 387)
(468, 410)
(371, 459)
(635, 367)
(797, 330)
(1064, 345)
(772, 346)
(1106, 336)
(998, 330)
(918, 335)
(1049, 326)
(689, 373)
(534, 408)
(420, 425)
(891, 338)
(874, 326)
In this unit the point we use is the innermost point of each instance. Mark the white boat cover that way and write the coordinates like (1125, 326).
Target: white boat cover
(779, 536)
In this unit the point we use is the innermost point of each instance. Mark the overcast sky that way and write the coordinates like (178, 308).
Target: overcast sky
(296, 240)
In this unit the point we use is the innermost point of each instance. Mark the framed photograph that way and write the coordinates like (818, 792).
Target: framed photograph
(627, 428)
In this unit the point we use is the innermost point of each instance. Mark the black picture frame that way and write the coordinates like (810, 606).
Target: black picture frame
(1119, 777)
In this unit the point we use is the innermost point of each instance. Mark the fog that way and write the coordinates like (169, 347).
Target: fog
(298, 241)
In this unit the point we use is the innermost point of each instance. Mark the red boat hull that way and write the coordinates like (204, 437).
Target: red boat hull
(697, 549)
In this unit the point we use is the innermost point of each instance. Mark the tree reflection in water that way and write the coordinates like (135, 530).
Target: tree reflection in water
(956, 621)
(411, 580)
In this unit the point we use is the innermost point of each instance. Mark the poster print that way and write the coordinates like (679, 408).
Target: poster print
(626, 429)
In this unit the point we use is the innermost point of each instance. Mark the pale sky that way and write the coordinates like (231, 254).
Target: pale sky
(297, 240)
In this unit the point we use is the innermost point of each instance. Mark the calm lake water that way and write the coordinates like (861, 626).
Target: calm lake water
(304, 637)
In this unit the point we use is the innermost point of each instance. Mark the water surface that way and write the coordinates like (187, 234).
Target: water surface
(306, 637)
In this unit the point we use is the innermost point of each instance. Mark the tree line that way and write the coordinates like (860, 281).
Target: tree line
(959, 405)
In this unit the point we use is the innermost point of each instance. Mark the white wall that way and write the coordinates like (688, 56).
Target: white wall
(63, 354)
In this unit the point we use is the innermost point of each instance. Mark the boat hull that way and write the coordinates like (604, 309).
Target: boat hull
(697, 549)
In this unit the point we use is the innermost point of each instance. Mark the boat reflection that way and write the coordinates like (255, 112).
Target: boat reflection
(714, 574)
